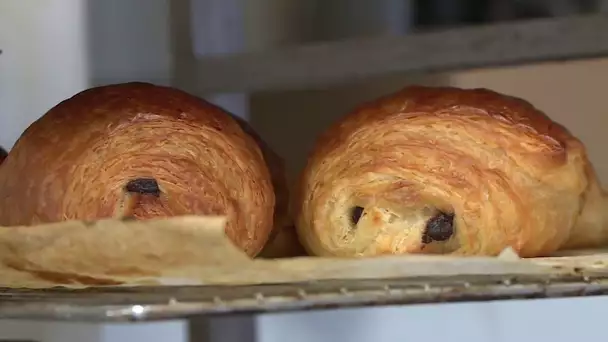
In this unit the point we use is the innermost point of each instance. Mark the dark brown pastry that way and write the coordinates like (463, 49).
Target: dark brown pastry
(142, 151)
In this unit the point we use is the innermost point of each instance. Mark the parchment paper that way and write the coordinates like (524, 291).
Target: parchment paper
(195, 251)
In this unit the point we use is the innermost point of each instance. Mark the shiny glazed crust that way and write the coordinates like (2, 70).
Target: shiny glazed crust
(75, 162)
(508, 174)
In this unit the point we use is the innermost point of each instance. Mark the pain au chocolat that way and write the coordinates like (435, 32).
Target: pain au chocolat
(448, 171)
(143, 151)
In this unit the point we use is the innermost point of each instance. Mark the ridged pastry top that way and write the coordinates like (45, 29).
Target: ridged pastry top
(139, 150)
(451, 171)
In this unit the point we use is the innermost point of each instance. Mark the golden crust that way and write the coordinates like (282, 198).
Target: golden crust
(75, 161)
(508, 174)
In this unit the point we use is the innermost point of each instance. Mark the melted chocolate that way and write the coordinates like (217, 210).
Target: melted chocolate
(439, 228)
(356, 214)
(144, 186)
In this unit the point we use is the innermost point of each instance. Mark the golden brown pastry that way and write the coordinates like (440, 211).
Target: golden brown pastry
(448, 171)
(142, 151)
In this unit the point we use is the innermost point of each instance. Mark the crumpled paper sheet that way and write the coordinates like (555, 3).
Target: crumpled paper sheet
(194, 250)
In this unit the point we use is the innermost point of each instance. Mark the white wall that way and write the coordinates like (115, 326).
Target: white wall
(43, 59)
(51, 50)
(173, 331)
(556, 320)
(50, 332)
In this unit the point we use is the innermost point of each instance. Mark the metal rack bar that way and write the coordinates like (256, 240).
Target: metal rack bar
(153, 303)
(456, 49)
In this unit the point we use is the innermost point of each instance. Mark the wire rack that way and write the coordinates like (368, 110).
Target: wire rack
(154, 303)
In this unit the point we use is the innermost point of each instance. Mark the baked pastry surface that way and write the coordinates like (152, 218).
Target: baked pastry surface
(142, 151)
(448, 171)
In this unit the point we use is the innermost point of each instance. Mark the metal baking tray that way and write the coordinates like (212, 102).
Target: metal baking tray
(208, 275)
(170, 302)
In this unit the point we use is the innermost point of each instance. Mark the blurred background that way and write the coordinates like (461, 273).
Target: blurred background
(52, 49)
(570, 92)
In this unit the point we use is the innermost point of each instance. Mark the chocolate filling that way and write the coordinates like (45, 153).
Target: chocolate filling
(355, 214)
(439, 228)
(143, 186)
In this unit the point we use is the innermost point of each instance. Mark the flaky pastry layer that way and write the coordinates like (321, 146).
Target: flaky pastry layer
(185, 156)
(448, 171)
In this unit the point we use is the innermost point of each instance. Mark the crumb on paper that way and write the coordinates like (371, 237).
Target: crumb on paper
(508, 254)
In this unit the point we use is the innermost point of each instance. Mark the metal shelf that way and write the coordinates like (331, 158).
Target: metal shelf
(155, 303)
(456, 49)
